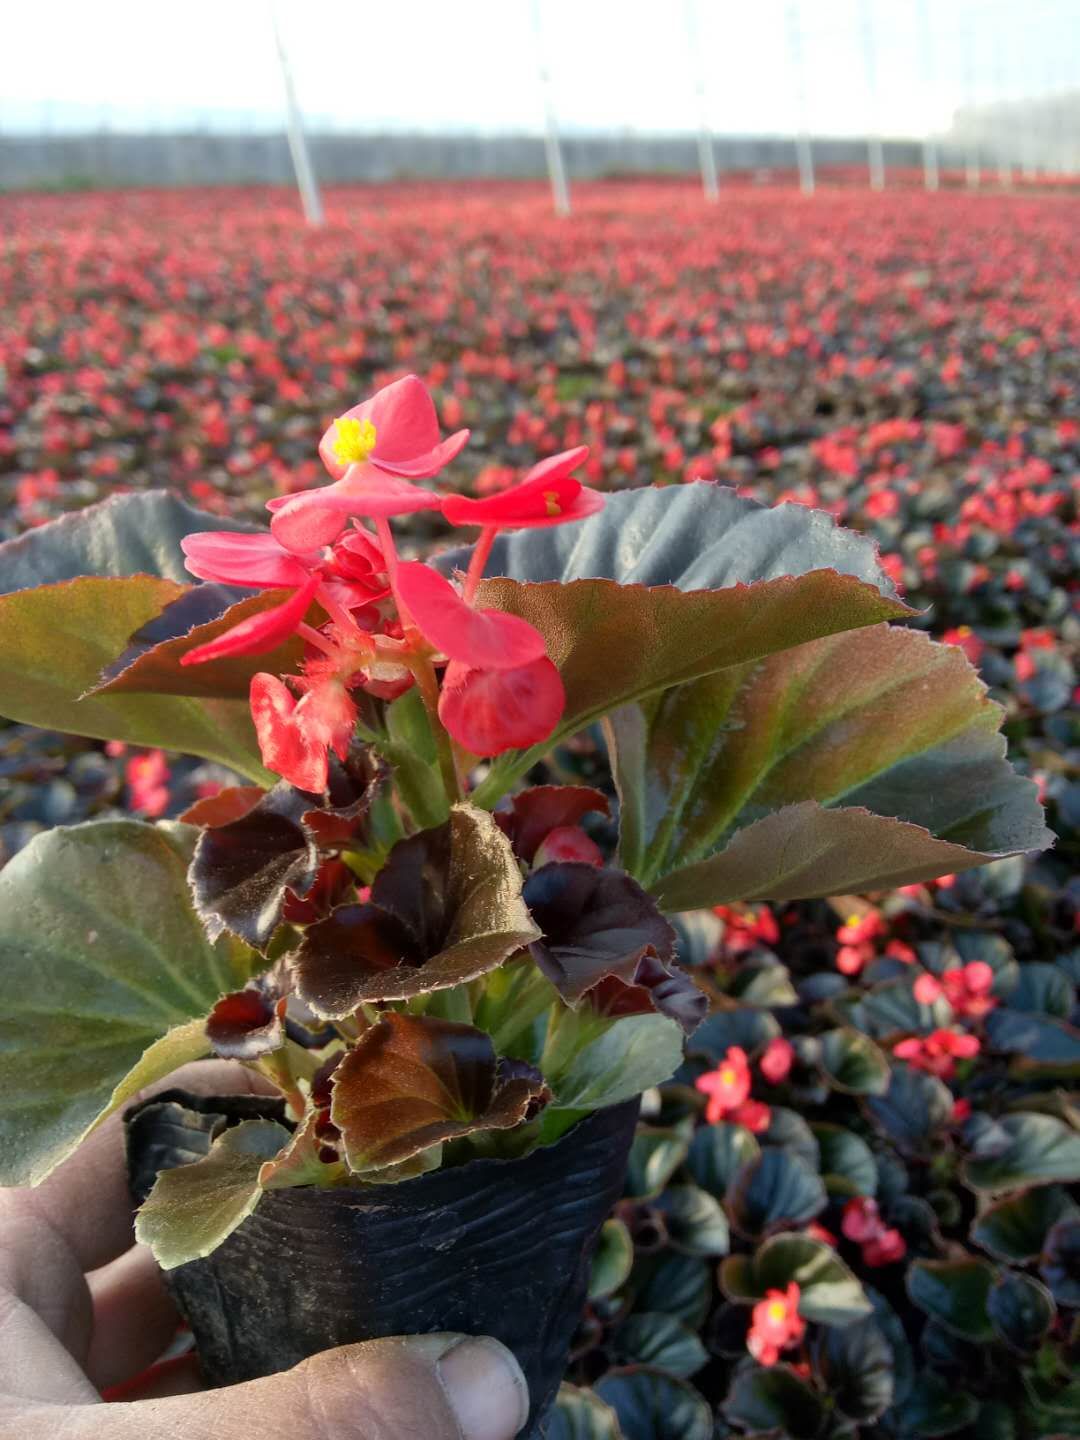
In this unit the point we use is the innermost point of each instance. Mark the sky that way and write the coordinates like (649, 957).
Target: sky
(474, 65)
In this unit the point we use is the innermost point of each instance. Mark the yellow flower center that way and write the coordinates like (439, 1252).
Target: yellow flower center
(354, 440)
(852, 920)
(778, 1310)
(727, 1075)
(551, 501)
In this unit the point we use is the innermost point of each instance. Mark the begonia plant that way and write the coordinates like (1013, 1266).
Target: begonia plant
(403, 920)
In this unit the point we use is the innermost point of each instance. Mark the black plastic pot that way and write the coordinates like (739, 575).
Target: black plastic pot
(493, 1247)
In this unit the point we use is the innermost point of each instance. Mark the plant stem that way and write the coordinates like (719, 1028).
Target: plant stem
(428, 686)
(481, 551)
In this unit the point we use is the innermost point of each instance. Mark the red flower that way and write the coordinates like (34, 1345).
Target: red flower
(147, 776)
(775, 1325)
(481, 639)
(295, 735)
(863, 1224)
(753, 1115)
(259, 633)
(567, 843)
(937, 1053)
(490, 711)
(547, 496)
(966, 987)
(727, 1086)
(396, 432)
(776, 1061)
(965, 639)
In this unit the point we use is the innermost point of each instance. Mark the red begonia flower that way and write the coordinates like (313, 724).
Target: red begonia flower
(258, 561)
(727, 1086)
(752, 1115)
(775, 1324)
(567, 843)
(484, 639)
(548, 495)
(776, 1061)
(259, 633)
(294, 735)
(396, 431)
(489, 711)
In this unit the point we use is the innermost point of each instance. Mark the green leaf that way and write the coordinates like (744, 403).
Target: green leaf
(775, 1189)
(829, 1292)
(935, 1407)
(603, 1062)
(774, 1400)
(788, 1130)
(1059, 1263)
(848, 1166)
(581, 1415)
(655, 1155)
(733, 1025)
(718, 1153)
(193, 1208)
(612, 1260)
(1043, 1047)
(882, 720)
(855, 1367)
(852, 1063)
(694, 1220)
(137, 533)
(674, 1284)
(410, 748)
(1040, 1149)
(954, 1293)
(914, 1109)
(108, 974)
(661, 1341)
(703, 580)
(1021, 1310)
(1016, 1227)
(654, 1406)
(1043, 988)
(65, 615)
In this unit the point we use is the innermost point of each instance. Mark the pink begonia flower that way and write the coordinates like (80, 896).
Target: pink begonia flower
(396, 432)
(371, 452)
(482, 639)
(548, 495)
(490, 711)
(295, 735)
(233, 558)
(259, 633)
(777, 1059)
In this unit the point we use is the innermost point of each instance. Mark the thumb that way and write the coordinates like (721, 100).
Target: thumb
(441, 1387)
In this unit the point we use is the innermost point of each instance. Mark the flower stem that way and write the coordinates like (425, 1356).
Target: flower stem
(481, 551)
(315, 637)
(428, 686)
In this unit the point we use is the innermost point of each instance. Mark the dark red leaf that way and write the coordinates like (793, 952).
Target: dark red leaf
(534, 813)
(413, 1081)
(653, 986)
(247, 1024)
(232, 803)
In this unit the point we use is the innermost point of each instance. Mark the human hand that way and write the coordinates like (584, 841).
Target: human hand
(82, 1309)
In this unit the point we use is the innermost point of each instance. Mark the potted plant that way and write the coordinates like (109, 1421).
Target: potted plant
(455, 978)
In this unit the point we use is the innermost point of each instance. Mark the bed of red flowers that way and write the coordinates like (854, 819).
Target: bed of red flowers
(849, 1212)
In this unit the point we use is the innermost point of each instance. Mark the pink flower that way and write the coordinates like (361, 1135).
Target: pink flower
(147, 776)
(491, 711)
(567, 843)
(863, 1224)
(372, 452)
(481, 639)
(753, 1115)
(775, 1324)
(776, 1061)
(937, 1053)
(727, 1086)
(295, 736)
(547, 496)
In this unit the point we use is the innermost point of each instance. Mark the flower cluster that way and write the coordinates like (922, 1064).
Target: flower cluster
(384, 624)
(775, 1325)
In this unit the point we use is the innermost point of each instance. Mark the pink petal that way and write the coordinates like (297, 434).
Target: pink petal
(483, 639)
(406, 432)
(489, 711)
(285, 749)
(529, 505)
(259, 633)
(318, 517)
(237, 559)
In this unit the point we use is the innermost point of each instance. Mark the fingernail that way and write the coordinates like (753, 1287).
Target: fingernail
(486, 1389)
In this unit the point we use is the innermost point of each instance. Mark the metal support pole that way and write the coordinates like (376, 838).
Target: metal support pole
(804, 155)
(560, 191)
(875, 154)
(931, 166)
(710, 184)
(305, 174)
